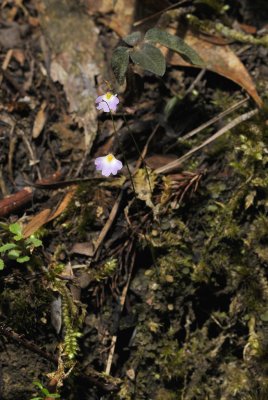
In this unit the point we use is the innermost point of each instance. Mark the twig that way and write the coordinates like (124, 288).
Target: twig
(108, 223)
(90, 374)
(176, 163)
(27, 344)
(195, 82)
(214, 119)
(141, 21)
(17, 200)
(145, 149)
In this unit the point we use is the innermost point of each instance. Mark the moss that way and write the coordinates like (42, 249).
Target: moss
(202, 323)
(25, 306)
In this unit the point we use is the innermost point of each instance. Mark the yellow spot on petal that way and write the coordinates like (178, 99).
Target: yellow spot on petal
(108, 95)
(110, 157)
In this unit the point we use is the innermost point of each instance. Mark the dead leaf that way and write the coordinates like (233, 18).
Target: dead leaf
(220, 59)
(119, 18)
(159, 160)
(47, 215)
(10, 36)
(85, 248)
(99, 6)
(19, 56)
(76, 60)
(40, 120)
(144, 186)
(252, 30)
(33, 21)
(70, 139)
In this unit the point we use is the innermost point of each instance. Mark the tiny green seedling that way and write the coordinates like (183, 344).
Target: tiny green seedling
(44, 393)
(18, 248)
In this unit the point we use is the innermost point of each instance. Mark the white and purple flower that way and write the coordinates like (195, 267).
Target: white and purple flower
(108, 165)
(107, 102)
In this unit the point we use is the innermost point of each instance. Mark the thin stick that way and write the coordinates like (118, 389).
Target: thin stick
(141, 21)
(195, 82)
(108, 223)
(92, 376)
(176, 163)
(214, 119)
(7, 332)
(145, 149)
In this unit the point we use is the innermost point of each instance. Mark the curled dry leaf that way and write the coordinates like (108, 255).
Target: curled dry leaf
(217, 58)
(40, 120)
(47, 215)
(143, 187)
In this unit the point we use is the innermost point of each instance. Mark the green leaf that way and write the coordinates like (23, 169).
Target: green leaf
(45, 391)
(170, 106)
(120, 60)
(23, 259)
(133, 38)
(149, 58)
(33, 241)
(7, 246)
(2, 265)
(38, 384)
(14, 254)
(174, 43)
(16, 229)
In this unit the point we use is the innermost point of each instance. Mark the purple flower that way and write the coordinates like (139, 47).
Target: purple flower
(108, 165)
(107, 102)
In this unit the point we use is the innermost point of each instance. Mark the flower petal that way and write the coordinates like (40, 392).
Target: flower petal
(99, 161)
(107, 104)
(108, 165)
(106, 171)
(118, 164)
(99, 99)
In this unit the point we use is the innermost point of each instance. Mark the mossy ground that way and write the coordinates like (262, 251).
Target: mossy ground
(181, 277)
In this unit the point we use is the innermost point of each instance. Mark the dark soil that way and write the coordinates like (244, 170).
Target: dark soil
(179, 282)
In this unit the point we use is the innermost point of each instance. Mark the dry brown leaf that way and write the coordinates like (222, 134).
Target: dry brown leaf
(220, 59)
(19, 56)
(10, 36)
(99, 6)
(47, 215)
(70, 139)
(143, 187)
(158, 160)
(84, 248)
(119, 18)
(76, 60)
(36, 222)
(40, 120)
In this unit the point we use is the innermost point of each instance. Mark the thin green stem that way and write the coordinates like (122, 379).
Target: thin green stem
(122, 151)
(139, 152)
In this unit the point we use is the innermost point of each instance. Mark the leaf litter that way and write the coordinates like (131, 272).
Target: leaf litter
(162, 305)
